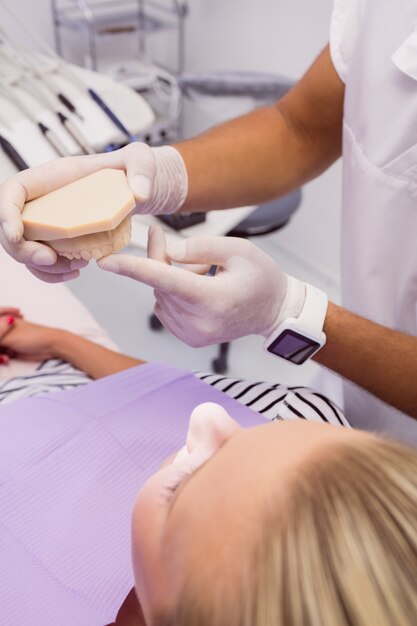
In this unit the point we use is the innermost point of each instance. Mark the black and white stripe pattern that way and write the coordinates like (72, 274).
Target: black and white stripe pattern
(278, 401)
(51, 375)
(273, 401)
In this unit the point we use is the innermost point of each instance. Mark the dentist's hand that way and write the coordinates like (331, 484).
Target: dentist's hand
(157, 177)
(248, 295)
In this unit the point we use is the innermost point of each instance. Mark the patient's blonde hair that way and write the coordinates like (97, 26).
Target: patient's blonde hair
(342, 551)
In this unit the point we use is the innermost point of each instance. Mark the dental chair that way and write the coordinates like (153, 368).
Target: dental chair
(254, 89)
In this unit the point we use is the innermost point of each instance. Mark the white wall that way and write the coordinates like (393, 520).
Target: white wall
(281, 36)
(273, 35)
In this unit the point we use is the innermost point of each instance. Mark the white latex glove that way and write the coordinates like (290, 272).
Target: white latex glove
(248, 295)
(157, 177)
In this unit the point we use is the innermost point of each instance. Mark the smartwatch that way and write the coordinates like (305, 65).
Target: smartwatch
(298, 339)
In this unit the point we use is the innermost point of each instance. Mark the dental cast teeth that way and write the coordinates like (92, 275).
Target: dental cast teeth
(95, 246)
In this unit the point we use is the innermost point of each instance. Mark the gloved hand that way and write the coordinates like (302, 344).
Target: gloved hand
(157, 177)
(248, 295)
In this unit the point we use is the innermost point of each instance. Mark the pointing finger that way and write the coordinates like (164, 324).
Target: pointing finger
(163, 277)
(208, 250)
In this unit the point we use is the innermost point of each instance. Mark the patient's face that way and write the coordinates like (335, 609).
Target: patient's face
(200, 509)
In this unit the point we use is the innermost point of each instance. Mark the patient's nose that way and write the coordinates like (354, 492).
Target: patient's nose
(210, 427)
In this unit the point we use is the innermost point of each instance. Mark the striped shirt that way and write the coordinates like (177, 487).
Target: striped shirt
(275, 402)
(51, 375)
(278, 402)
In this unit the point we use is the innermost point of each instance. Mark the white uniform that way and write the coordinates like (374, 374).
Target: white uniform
(374, 49)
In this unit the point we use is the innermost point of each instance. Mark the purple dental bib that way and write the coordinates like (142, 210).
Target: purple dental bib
(71, 466)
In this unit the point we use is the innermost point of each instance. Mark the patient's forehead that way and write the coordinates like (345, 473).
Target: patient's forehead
(219, 511)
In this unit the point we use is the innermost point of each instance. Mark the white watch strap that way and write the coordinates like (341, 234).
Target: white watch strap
(314, 311)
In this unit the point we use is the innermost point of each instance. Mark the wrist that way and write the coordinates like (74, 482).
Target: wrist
(170, 186)
(297, 339)
(61, 344)
(291, 306)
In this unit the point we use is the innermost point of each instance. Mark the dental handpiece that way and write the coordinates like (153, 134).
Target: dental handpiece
(53, 139)
(22, 60)
(71, 128)
(13, 154)
(110, 114)
(48, 133)
(49, 99)
(75, 133)
(69, 105)
(9, 149)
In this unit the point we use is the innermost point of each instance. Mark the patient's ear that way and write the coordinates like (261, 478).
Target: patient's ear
(210, 427)
(130, 613)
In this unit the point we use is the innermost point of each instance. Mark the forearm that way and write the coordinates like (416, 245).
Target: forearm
(381, 360)
(94, 360)
(271, 151)
(247, 161)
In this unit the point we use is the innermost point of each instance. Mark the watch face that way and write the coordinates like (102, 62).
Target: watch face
(293, 347)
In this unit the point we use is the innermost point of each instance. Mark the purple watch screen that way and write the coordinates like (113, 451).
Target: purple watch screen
(293, 347)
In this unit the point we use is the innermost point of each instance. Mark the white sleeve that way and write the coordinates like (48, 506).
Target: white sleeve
(344, 30)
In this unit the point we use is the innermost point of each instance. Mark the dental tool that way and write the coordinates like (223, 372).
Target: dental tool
(9, 149)
(47, 132)
(21, 70)
(24, 61)
(70, 106)
(13, 154)
(28, 66)
(75, 133)
(53, 139)
(110, 114)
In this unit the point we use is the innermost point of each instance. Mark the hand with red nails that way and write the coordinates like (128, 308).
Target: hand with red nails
(156, 176)
(26, 341)
(8, 316)
(10, 310)
(248, 295)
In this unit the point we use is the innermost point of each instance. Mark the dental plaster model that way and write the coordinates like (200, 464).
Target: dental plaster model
(89, 218)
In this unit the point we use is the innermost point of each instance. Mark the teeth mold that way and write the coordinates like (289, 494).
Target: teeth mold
(87, 219)
(94, 246)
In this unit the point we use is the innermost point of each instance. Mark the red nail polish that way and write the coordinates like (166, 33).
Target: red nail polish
(2, 360)
(10, 320)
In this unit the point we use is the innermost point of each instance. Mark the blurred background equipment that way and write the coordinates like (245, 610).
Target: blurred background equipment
(52, 108)
(116, 37)
(98, 18)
